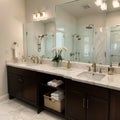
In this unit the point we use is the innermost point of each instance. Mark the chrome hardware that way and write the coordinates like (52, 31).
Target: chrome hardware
(87, 103)
(94, 67)
(83, 102)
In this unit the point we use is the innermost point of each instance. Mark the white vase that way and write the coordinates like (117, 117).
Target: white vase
(57, 64)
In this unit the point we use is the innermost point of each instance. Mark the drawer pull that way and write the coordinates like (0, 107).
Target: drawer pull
(87, 103)
(83, 102)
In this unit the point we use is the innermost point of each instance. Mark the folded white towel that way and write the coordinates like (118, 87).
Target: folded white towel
(16, 52)
(57, 93)
(55, 83)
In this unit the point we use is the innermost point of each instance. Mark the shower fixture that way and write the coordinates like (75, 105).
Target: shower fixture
(76, 36)
(90, 26)
(39, 41)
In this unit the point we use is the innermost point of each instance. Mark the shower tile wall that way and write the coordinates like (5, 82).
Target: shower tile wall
(33, 31)
(67, 23)
(100, 45)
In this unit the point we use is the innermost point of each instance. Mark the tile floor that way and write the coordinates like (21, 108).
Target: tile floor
(17, 110)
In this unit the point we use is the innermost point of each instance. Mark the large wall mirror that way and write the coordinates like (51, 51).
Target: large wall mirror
(90, 34)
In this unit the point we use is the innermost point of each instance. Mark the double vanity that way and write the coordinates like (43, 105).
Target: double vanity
(88, 95)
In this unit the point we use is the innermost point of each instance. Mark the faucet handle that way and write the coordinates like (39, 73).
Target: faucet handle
(41, 59)
(89, 68)
(100, 70)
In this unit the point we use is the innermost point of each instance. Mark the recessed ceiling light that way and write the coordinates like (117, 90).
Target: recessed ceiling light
(116, 3)
(98, 2)
(103, 6)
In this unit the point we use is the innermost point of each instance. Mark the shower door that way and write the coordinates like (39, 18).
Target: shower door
(85, 45)
(115, 45)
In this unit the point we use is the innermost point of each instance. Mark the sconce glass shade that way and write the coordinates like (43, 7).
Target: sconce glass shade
(116, 4)
(34, 16)
(39, 16)
(98, 2)
(103, 6)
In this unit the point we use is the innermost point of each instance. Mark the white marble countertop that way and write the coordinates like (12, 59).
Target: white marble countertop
(109, 81)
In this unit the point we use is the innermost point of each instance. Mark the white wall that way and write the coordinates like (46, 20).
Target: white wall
(98, 20)
(12, 17)
(113, 18)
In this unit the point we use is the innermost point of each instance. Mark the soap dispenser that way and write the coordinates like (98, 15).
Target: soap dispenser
(110, 70)
(68, 64)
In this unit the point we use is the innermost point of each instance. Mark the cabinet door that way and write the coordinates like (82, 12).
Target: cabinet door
(15, 83)
(97, 108)
(115, 105)
(30, 87)
(75, 106)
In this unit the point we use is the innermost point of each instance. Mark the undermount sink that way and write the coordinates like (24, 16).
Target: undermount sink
(91, 75)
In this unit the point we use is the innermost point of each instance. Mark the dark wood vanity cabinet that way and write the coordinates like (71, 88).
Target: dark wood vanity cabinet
(22, 84)
(82, 101)
(75, 107)
(86, 102)
(115, 105)
(97, 108)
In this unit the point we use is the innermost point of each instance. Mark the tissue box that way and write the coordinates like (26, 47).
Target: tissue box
(57, 105)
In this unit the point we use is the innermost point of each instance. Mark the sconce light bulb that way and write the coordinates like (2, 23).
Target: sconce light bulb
(34, 16)
(38, 15)
(101, 29)
(116, 4)
(43, 14)
(98, 2)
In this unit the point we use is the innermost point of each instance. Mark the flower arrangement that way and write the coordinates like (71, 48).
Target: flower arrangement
(58, 54)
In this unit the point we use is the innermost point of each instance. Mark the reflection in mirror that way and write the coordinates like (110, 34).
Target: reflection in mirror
(39, 38)
(88, 32)
(81, 23)
(115, 44)
(83, 44)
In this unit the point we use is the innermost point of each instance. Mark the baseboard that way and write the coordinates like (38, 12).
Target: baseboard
(3, 97)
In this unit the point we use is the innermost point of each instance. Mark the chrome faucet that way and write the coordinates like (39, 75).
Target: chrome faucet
(35, 59)
(94, 67)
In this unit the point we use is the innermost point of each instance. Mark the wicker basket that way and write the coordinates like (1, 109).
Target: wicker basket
(57, 105)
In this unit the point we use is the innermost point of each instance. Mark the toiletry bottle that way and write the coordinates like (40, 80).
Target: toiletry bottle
(68, 64)
(110, 70)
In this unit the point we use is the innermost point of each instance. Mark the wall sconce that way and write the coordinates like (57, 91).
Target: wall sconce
(39, 16)
(116, 3)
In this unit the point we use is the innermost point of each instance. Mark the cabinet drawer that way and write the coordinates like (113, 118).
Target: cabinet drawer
(15, 70)
(89, 89)
(19, 71)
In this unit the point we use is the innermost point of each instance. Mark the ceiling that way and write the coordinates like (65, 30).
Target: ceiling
(78, 7)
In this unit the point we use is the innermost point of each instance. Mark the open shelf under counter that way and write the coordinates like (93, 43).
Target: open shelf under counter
(61, 114)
